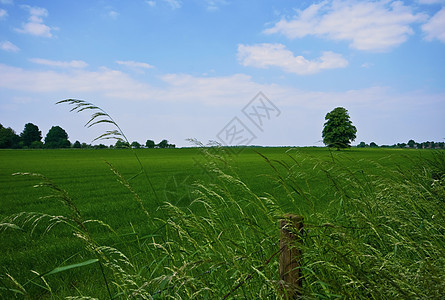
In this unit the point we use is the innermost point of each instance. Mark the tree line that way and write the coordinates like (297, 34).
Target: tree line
(411, 144)
(338, 132)
(57, 137)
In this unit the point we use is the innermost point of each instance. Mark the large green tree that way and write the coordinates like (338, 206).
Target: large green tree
(57, 138)
(30, 134)
(338, 131)
(8, 138)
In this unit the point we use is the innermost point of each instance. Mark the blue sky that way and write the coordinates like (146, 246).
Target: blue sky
(171, 69)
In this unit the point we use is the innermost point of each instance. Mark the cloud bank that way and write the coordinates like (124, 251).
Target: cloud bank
(369, 26)
(276, 55)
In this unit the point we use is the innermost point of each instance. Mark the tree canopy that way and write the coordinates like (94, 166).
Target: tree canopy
(135, 145)
(121, 144)
(150, 144)
(163, 144)
(30, 135)
(8, 138)
(57, 138)
(338, 131)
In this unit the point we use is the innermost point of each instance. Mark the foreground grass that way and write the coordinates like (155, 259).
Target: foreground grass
(374, 223)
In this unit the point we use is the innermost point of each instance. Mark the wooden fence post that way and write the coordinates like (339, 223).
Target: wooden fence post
(290, 257)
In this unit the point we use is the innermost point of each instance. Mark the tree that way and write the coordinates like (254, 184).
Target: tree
(121, 144)
(373, 145)
(163, 144)
(8, 138)
(150, 144)
(100, 146)
(411, 143)
(77, 145)
(135, 145)
(57, 138)
(362, 145)
(30, 134)
(338, 131)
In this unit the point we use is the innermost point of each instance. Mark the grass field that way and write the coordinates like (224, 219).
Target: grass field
(205, 224)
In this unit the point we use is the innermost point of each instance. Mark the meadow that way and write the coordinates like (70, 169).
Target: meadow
(204, 222)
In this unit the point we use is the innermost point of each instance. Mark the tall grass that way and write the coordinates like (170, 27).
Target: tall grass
(386, 239)
(381, 236)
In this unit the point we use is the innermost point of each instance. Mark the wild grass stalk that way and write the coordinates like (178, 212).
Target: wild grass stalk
(100, 116)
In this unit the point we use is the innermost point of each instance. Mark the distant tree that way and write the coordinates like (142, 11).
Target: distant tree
(8, 138)
(30, 134)
(373, 145)
(57, 138)
(100, 146)
(163, 144)
(411, 143)
(401, 145)
(121, 144)
(361, 145)
(150, 144)
(77, 145)
(338, 131)
(433, 145)
(135, 145)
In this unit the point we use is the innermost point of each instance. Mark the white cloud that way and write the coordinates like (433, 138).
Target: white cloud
(233, 90)
(373, 26)
(114, 84)
(134, 64)
(223, 90)
(8, 46)
(3, 13)
(105, 81)
(367, 65)
(431, 1)
(113, 14)
(276, 55)
(6, 1)
(151, 3)
(35, 25)
(435, 27)
(174, 4)
(78, 64)
(214, 5)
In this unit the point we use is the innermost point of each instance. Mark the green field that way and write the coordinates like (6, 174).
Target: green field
(196, 223)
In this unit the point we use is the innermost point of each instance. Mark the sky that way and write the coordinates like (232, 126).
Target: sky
(252, 72)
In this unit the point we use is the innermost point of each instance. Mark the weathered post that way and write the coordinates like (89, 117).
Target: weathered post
(290, 258)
